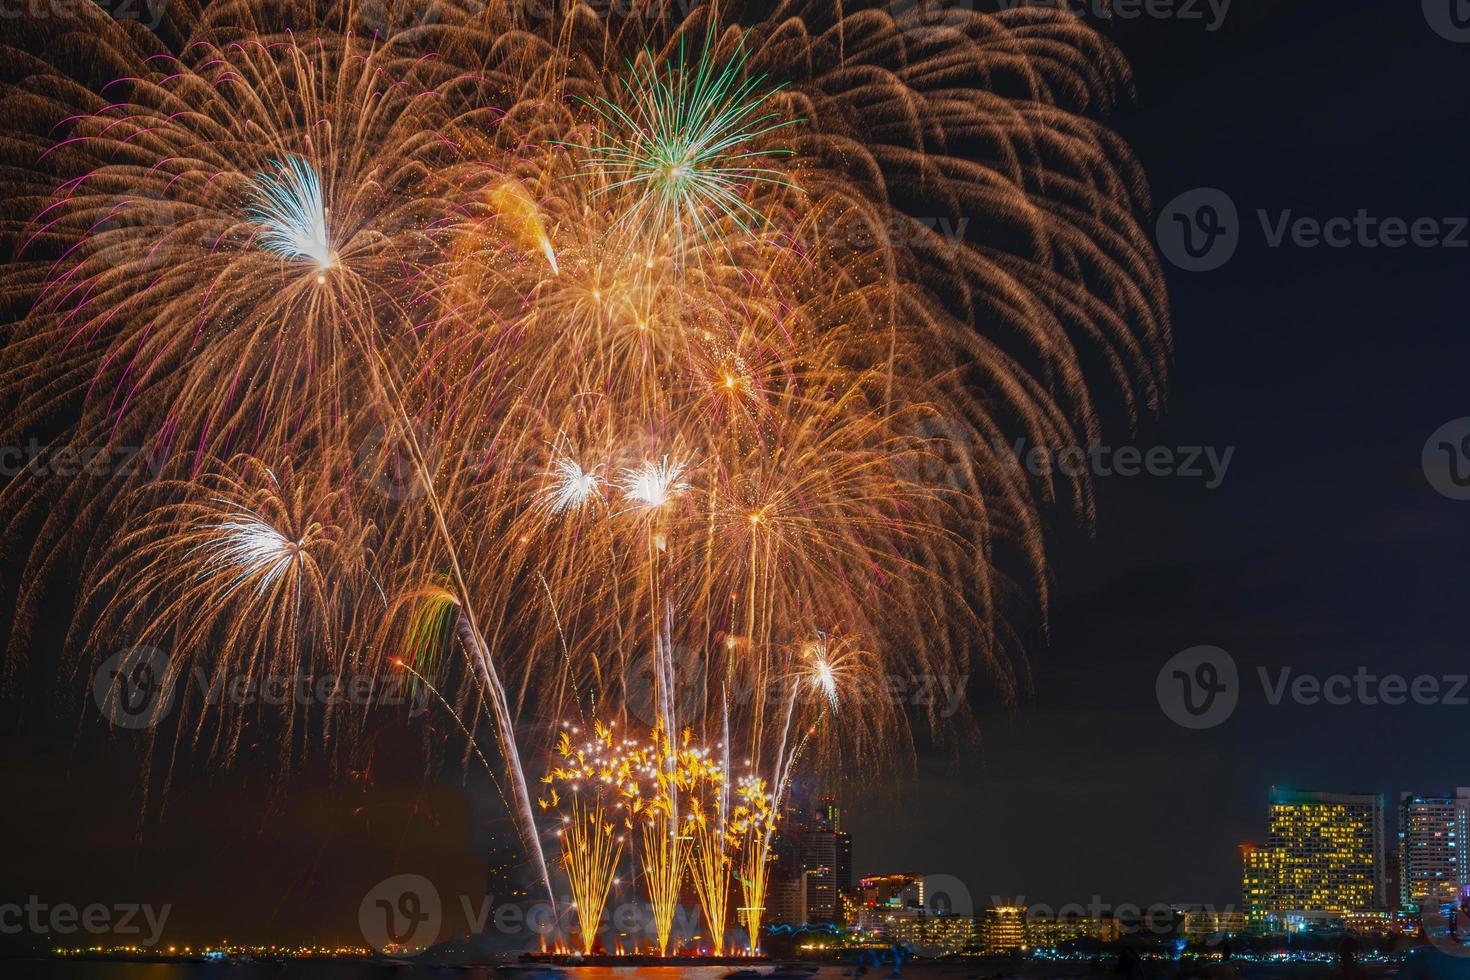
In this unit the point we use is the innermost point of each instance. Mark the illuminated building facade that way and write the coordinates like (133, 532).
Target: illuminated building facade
(1050, 931)
(1433, 859)
(1004, 928)
(1203, 923)
(1324, 858)
(820, 887)
(934, 933)
(1258, 886)
(786, 901)
(904, 890)
(1378, 925)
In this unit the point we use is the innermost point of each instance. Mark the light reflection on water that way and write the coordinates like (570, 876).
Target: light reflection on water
(344, 970)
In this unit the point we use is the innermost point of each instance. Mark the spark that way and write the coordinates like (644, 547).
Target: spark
(289, 204)
(252, 547)
(572, 487)
(823, 676)
(688, 143)
(653, 484)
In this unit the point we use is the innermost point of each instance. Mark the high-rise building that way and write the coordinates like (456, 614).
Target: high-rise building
(786, 901)
(904, 890)
(829, 814)
(1324, 856)
(842, 866)
(813, 853)
(821, 894)
(1003, 928)
(1434, 865)
(1258, 886)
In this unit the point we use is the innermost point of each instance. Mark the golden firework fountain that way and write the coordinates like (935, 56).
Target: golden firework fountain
(598, 783)
(707, 823)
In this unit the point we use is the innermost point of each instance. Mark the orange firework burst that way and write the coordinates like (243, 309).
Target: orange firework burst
(607, 359)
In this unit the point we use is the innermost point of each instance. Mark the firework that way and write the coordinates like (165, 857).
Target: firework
(269, 562)
(599, 791)
(753, 823)
(289, 205)
(572, 351)
(652, 485)
(687, 143)
(572, 487)
(711, 863)
(665, 850)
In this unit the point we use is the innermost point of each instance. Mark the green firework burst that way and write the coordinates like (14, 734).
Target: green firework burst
(686, 142)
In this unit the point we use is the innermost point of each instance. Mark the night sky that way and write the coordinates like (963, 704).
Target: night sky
(1324, 548)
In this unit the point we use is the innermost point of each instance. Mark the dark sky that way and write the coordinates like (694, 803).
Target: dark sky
(1324, 548)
